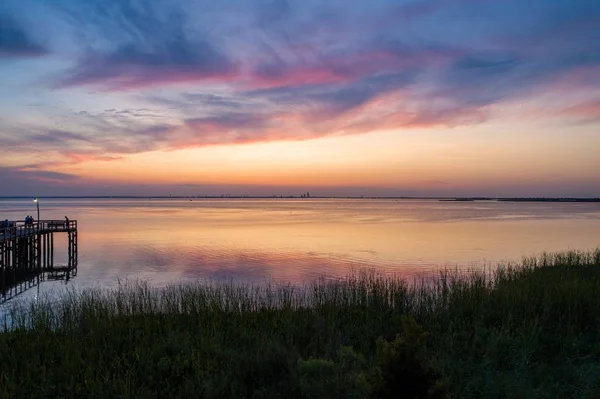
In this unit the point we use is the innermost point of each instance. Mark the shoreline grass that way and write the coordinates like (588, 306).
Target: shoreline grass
(531, 330)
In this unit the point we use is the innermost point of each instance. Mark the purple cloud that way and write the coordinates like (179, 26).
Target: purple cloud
(283, 70)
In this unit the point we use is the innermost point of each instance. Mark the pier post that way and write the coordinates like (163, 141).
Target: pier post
(47, 252)
(70, 249)
(2, 264)
(14, 259)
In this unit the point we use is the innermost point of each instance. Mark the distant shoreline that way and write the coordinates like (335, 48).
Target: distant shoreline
(522, 199)
(443, 199)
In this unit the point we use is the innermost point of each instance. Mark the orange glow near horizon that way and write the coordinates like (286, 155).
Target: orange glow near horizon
(410, 158)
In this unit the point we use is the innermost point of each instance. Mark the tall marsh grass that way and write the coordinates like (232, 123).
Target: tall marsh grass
(527, 330)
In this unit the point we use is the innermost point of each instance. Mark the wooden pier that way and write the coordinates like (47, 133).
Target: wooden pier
(27, 252)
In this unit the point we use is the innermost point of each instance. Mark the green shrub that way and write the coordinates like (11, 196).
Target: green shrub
(403, 369)
(343, 378)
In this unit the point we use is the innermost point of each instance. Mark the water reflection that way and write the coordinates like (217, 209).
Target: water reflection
(33, 282)
(291, 240)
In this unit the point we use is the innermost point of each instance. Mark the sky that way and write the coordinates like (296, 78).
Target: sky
(281, 97)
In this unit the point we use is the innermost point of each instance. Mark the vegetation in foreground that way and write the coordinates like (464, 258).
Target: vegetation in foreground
(526, 331)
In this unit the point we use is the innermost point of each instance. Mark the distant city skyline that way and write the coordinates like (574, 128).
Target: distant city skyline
(452, 98)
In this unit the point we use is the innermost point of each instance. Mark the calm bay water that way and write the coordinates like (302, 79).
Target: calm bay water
(251, 240)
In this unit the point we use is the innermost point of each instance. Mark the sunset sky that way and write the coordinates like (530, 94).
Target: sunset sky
(386, 98)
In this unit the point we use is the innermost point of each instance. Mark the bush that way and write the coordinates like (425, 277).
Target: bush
(344, 378)
(402, 367)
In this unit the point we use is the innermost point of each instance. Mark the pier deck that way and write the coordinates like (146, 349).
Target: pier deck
(27, 251)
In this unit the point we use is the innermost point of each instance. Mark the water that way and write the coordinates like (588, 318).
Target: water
(251, 240)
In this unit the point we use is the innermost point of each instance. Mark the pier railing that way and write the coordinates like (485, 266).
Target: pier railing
(19, 229)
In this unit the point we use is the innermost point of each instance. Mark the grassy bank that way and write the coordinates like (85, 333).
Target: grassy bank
(525, 331)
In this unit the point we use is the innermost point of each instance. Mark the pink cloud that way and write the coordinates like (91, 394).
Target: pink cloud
(381, 113)
(344, 69)
(135, 78)
(586, 110)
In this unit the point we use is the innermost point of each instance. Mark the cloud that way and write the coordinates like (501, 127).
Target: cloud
(53, 137)
(89, 136)
(28, 178)
(337, 98)
(202, 73)
(46, 176)
(278, 44)
(130, 67)
(134, 44)
(16, 42)
(150, 46)
(586, 112)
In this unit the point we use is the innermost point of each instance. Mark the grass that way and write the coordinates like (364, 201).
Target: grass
(531, 330)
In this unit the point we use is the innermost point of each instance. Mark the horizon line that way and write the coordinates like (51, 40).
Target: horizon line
(224, 196)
